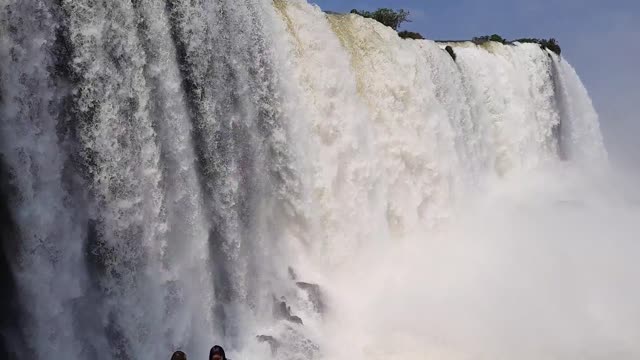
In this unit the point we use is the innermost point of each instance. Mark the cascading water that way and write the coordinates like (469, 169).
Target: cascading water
(182, 173)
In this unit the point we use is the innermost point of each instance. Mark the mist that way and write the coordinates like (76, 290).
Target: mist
(542, 265)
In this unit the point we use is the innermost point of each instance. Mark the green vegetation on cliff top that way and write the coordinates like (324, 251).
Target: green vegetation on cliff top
(385, 16)
(391, 18)
(551, 44)
(395, 18)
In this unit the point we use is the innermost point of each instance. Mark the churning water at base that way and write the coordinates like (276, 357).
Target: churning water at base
(298, 185)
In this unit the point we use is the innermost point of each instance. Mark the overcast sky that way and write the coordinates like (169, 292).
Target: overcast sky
(600, 38)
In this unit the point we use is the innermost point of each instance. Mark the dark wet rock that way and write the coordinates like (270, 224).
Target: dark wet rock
(274, 344)
(292, 274)
(453, 55)
(315, 295)
(282, 311)
(410, 35)
(11, 338)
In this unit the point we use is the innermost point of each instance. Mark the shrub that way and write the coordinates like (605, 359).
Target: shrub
(480, 40)
(483, 39)
(386, 16)
(551, 44)
(410, 35)
(497, 38)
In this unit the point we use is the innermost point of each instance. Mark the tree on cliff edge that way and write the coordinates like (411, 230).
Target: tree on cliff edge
(386, 16)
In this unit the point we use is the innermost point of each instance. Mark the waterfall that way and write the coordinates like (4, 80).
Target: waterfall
(180, 173)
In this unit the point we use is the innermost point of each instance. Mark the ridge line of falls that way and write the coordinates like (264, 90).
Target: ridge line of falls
(256, 173)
